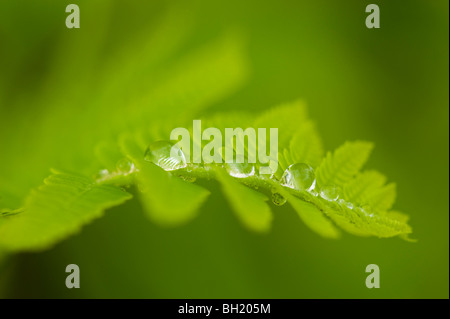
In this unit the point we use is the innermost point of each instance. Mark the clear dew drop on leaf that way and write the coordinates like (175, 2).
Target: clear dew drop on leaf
(166, 155)
(101, 175)
(277, 198)
(366, 210)
(299, 176)
(125, 166)
(345, 203)
(240, 170)
(330, 193)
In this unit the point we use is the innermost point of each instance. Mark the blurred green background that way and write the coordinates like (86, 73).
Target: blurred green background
(387, 85)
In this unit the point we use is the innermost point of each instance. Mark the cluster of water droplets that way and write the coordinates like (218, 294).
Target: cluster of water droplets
(299, 176)
(170, 157)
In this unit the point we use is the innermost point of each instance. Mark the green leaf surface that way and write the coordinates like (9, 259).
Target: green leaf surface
(368, 188)
(287, 118)
(298, 139)
(306, 146)
(311, 216)
(249, 205)
(341, 166)
(108, 154)
(382, 199)
(167, 199)
(57, 209)
(361, 223)
(363, 185)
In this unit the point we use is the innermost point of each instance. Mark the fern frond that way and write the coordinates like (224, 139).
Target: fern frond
(306, 146)
(311, 215)
(286, 117)
(382, 199)
(363, 185)
(339, 167)
(167, 199)
(56, 210)
(250, 206)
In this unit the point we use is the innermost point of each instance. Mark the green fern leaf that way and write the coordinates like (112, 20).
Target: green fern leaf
(288, 116)
(311, 216)
(167, 199)
(250, 206)
(382, 199)
(339, 167)
(363, 185)
(359, 222)
(56, 210)
(368, 188)
(108, 155)
(298, 140)
(306, 146)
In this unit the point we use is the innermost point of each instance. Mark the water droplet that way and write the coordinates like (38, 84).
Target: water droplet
(102, 174)
(166, 155)
(125, 166)
(330, 193)
(299, 176)
(366, 210)
(345, 203)
(274, 178)
(313, 192)
(277, 198)
(240, 170)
